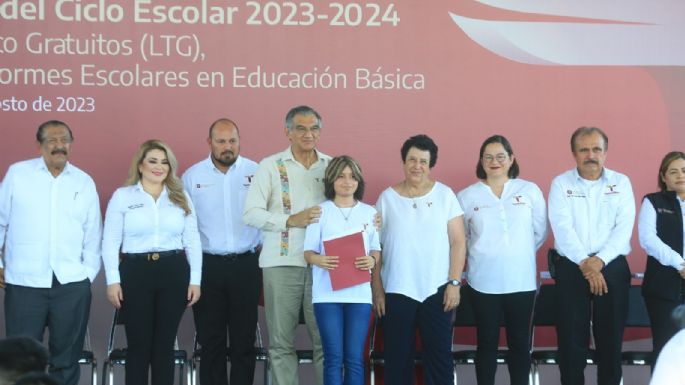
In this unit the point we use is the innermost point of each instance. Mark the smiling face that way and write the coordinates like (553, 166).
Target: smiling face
(417, 166)
(305, 132)
(55, 147)
(590, 154)
(674, 177)
(345, 184)
(496, 161)
(154, 168)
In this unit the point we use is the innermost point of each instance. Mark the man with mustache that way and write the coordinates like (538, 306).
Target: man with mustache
(50, 226)
(284, 198)
(230, 270)
(592, 211)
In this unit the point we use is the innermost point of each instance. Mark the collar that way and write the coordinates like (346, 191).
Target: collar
(139, 188)
(603, 178)
(287, 154)
(41, 166)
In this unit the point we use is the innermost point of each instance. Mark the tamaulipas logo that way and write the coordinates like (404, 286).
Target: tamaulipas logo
(582, 32)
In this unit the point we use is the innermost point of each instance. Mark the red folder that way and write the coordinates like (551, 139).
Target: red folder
(347, 248)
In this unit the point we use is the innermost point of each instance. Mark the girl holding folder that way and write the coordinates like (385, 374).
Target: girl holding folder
(342, 311)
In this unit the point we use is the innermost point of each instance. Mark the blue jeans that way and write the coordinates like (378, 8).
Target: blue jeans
(343, 328)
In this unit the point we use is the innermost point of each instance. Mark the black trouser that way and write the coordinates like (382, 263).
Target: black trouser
(402, 316)
(155, 297)
(663, 326)
(516, 308)
(230, 295)
(609, 312)
(64, 310)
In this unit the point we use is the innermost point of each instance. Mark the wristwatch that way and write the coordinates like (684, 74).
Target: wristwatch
(454, 282)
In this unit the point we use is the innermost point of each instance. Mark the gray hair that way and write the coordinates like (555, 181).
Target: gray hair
(301, 110)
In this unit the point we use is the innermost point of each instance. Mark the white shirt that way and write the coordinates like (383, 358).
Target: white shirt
(282, 187)
(503, 235)
(416, 247)
(650, 241)
(49, 225)
(669, 368)
(136, 223)
(591, 216)
(333, 224)
(219, 200)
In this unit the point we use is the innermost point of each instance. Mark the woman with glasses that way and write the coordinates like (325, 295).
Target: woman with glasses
(505, 221)
(660, 230)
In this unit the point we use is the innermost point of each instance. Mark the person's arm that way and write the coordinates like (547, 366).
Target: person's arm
(650, 241)
(112, 236)
(618, 242)
(561, 220)
(312, 247)
(193, 248)
(5, 208)
(256, 212)
(457, 239)
(377, 290)
(539, 217)
(92, 233)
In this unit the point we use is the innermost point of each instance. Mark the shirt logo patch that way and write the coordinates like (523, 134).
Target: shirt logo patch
(665, 211)
(518, 200)
(204, 185)
(574, 194)
(611, 189)
(136, 206)
(248, 180)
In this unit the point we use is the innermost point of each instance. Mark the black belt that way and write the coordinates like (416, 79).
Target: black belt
(231, 256)
(153, 255)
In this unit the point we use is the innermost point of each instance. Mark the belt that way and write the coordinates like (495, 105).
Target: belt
(231, 256)
(153, 255)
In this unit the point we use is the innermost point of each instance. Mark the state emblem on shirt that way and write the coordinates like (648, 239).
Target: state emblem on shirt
(610, 189)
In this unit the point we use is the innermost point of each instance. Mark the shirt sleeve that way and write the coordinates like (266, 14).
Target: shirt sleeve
(5, 209)
(92, 233)
(454, 207)
(312, 236)
(256, 212)
(112, 237)
(561, 219)
(374, 237)
(539, 217)
(618, 242)
(192, 244)
(462, 197)
(650, 241)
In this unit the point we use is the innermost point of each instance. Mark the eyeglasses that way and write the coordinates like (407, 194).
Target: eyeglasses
(499, 157)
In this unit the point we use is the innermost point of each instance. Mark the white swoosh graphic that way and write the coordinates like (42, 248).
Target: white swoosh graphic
(658, 41)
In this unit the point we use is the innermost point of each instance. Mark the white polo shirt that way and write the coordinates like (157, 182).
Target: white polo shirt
(591, 217)
(137, 223)
(219, 200)
(503, 235)
(49, 225)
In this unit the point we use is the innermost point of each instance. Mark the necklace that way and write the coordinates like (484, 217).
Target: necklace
(346, 217)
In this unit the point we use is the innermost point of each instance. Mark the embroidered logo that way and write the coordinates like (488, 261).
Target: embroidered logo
(518, 200)
(429, 204)
(248, 179)
(611, 189)
(665, 211)
(574, 194)
(204, 185)
(136, 206)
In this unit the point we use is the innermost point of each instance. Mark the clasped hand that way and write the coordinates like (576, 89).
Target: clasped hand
(591, 268)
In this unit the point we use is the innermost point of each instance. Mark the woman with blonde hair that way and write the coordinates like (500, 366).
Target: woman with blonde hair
(151, 222)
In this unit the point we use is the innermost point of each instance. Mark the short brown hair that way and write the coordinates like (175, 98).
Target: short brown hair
(333, 171)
